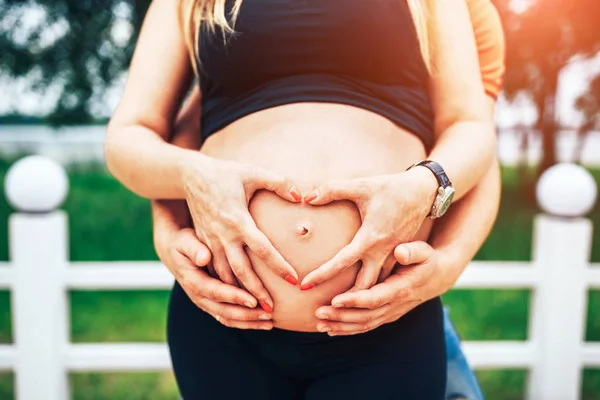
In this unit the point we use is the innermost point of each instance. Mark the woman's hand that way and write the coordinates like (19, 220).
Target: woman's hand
(184, 255)
(422, 277)
(393, 208)
(218, 193)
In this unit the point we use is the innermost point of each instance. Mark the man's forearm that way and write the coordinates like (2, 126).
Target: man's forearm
(170, 216)
(465, 227)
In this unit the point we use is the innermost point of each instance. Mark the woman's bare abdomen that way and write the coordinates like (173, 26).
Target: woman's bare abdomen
(312, 143)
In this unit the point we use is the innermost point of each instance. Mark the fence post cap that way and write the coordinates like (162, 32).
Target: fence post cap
(566, 190)
(36, 184)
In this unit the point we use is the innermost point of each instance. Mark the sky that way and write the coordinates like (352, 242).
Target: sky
(17, 98)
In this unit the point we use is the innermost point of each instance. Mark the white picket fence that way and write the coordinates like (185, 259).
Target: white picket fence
(39, 276)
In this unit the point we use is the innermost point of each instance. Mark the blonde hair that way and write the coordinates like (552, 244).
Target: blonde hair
(211, 13)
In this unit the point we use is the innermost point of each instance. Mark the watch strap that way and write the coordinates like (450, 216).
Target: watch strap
(437, 171)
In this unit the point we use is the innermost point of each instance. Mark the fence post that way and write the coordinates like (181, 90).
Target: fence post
(562, 246)
(36, 186)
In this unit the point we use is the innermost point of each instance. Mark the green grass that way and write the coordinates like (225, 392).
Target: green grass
(108, 223)
(126, 386)
(503, 384)
(591, 383)
(6, 386)
(141, 314)
(5, 319)
(489, 314)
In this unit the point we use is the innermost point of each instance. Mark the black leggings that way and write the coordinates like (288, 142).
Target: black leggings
(402, 360)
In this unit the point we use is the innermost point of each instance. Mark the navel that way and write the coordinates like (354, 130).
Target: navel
(304, 229)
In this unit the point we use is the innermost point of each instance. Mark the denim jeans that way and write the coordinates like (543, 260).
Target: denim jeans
(462, 382)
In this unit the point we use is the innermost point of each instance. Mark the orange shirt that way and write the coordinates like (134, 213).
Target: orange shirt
(489, 36)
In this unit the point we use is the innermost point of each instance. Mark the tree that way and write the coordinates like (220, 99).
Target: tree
(541, 42)
(87, 58)
(83, 59)
(589, 105)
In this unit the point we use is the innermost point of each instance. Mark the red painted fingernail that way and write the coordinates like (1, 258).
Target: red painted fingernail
(291, 280)
(265, 306)
(307, 286)
(296, 193)
(311, 196)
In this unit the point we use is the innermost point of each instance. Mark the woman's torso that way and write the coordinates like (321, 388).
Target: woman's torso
(317, 90)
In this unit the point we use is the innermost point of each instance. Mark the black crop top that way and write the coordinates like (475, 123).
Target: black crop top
(363, 53)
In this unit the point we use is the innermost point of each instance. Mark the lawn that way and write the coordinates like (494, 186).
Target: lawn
(109, 223)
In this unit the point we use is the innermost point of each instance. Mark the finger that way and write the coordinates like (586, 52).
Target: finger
(355, 315)
(265, 326)
(222, 267)
(345, 258)
(261, 246)
(348, 328)
(379, 295)
(198, 284)
(274, 182)
(233, 312)
(388, 268)
(344, 329)
(241, 267)
(369, 272)
(352, 190)
(190, 246)
(413, 253)
(211, 270)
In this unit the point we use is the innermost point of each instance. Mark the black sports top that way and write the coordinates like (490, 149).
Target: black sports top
(363, 53)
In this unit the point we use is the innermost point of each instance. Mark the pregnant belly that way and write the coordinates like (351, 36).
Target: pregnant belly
(312, 143)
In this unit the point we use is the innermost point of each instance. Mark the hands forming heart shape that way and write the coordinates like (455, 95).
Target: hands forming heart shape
(392, 207)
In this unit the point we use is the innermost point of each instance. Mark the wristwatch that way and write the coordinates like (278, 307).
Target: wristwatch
(445, 192)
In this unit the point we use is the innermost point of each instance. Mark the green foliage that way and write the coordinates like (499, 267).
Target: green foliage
(540, 43)
(72, 46)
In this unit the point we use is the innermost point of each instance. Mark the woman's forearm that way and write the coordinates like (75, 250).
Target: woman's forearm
(146, 164)
(160, 74)
(170, 216)
(466, 225)
(466, 151)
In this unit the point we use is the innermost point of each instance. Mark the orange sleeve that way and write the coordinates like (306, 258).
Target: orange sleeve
(489, 36)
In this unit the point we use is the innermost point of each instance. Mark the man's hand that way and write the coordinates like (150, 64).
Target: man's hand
(186, 257)
(421, 276)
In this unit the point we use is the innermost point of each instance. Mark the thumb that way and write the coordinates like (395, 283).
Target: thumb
(276, 183)
(413, 253)
(191, 247)
(332, 191)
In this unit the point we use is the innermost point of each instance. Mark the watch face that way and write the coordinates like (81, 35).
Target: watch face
(444, 200)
